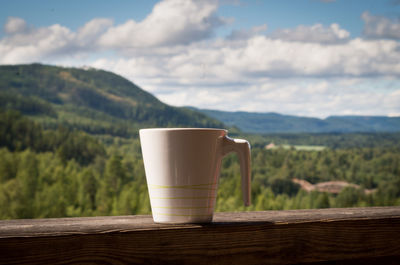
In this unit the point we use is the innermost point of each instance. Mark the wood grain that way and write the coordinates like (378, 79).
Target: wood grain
(328, 236)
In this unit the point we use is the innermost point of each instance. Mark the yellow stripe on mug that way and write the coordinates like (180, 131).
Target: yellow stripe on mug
(183, 198)
(186, 215)
(182, 207)
(211, 186)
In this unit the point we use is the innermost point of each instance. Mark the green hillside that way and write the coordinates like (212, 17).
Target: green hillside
(47, 170)
(96, 101)
(64, 173)
(252, 122)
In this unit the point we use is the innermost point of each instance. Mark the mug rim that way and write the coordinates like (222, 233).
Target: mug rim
(183, 129)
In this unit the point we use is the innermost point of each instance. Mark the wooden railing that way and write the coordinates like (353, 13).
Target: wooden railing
(337, 236)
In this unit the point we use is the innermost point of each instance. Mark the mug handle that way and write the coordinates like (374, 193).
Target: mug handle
(242, 149)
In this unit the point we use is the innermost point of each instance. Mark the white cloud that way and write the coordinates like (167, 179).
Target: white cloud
(24, 43)
(27, 45)
(88, 35)
(15, 25)
(314, 98)
(378, 27)
(207, 62)
(264, 74)
(172, 22)
(264, 57)
(316, 33)
(243, 34)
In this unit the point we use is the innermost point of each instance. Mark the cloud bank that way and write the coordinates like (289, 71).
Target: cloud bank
(316, 33)
(378, 27)
(312, 70)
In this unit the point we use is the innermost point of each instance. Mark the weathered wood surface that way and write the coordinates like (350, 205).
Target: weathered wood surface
(329, 236)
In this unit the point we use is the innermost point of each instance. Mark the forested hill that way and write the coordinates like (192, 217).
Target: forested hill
(277, 123)
(92, 100)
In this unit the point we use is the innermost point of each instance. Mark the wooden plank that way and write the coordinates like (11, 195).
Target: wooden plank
(341, 236)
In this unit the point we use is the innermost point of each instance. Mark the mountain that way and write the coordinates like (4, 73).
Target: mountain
(277, 123)
(101, 102)
(92, 100)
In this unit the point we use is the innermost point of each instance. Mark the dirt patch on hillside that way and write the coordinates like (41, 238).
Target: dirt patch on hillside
(334, 187)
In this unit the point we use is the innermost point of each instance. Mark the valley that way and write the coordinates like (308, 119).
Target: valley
(69, 147)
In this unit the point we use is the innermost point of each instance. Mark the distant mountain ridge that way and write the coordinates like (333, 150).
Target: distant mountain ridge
(253, 122)
(92, 100)
(101, 102)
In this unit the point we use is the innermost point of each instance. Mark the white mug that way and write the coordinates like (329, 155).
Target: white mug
(182, 168)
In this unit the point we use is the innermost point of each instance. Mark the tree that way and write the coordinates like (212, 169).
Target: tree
(348, 197)
(8, 165)
(115, 175)
(322, 201)
(280, 186)
(88, 188)
(27, 177)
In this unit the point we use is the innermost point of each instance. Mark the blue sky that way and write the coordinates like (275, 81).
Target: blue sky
(301, 57)
(277, 14)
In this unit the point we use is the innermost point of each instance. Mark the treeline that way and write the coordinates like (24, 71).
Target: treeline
(331, 140)
(55, 173)
(96, 114)
(62, 172)
(94, 101)
(37, 185)
(375, 169)
(18, 133)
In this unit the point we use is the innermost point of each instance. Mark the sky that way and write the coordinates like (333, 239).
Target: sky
(314, 58)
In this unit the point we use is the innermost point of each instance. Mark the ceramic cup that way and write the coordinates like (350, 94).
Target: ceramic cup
(182, 168)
